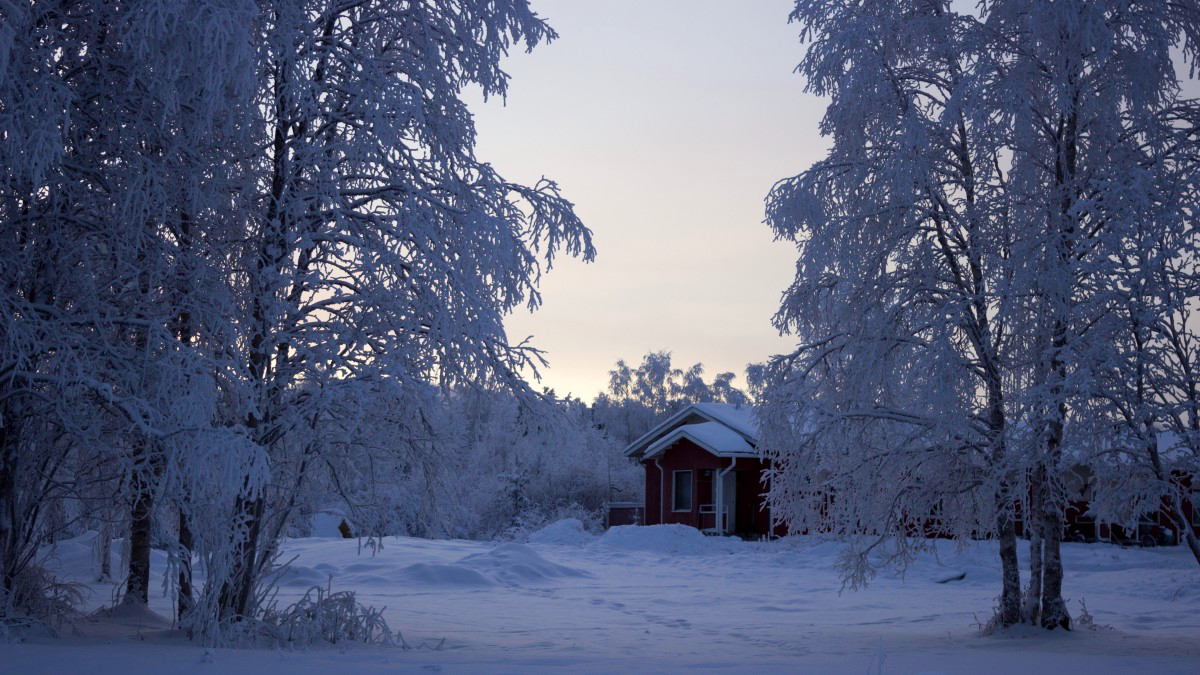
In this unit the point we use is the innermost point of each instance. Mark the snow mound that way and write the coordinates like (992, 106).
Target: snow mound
(567, 532)
(515, 565)
(948, 576)
(299, 576)
(672, 539)
(432, 574)
(128, 615)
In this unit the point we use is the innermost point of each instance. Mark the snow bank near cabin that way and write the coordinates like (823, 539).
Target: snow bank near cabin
(672, 539)
(516, 565)
(566, 532)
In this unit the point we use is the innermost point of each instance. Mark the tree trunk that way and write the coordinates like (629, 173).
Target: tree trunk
(238, 589)
(8, 497)
(1006, 534)
(1189, 536)
(103, 549)
(1183, 523)
(184, 332)
(184, 600)
(137, 588)
(141, 524)
(1061, 301)
(1033, 597)
(1010, 593)
(1054, 609)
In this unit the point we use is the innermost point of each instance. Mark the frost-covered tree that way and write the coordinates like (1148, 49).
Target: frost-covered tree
(893, 410)
(530, 467)
(957, 254)
(232, 228)
(1088, 94)
(379, 247)
(113, 117)
(637, 398)
(473, 463)
(1143, 407)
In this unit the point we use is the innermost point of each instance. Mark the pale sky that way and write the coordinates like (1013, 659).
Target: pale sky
(666, 122)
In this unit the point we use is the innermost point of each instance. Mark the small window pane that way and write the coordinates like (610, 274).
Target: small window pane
(683, 491)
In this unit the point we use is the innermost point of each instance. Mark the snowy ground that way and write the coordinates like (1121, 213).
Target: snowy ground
(665, 599)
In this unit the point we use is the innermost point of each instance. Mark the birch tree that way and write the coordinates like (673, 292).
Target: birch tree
(110, 113)
(958, 254)
(893, 410)
(1085, 91)
(230, 225)
(1143, 403)
(379, 246)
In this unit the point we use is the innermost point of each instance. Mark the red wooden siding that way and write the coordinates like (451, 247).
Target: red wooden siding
(750, 513)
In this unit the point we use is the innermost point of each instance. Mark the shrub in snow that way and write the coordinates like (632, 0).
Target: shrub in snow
(323, 615)
(531, 521)
(37, 599)
(1085, 619)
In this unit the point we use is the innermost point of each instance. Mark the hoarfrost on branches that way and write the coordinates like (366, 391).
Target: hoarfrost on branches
(233, 230)
(962, 250)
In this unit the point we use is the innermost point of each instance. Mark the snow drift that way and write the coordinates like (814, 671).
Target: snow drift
(566, 532)
(516, 565)
(662, 539)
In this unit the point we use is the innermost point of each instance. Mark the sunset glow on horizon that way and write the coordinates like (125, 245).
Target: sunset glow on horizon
(666, 123)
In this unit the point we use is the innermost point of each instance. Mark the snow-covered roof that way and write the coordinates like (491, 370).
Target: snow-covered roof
(714, 437)
(723, 429)
(737, 417)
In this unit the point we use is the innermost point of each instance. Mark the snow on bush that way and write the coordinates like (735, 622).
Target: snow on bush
(323, 615)
(38, 601)
(566, 532)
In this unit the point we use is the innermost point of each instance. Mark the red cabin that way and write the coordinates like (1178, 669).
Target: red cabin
(703, 469)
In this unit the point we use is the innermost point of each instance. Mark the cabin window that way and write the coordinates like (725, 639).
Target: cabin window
(683, 491)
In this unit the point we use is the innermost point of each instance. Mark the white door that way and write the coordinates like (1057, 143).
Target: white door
(729, 500)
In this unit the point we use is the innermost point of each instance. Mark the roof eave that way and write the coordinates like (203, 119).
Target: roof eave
(674, 437)
(638, 446)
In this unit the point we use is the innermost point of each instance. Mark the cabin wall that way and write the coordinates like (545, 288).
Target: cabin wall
(685, 455)
(625, 513)
(653, 494)
(752, 515)
(1158, 528)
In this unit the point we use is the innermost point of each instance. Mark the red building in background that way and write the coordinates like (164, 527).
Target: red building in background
(703, 469)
